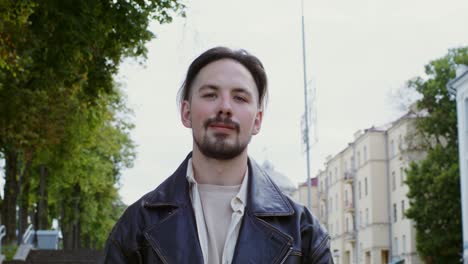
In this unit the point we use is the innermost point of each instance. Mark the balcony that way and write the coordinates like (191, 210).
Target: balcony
(349, 177)
(349, 207)
(322, 196)
(350, 237)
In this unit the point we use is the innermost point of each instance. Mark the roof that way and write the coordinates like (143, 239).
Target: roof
(314, 182)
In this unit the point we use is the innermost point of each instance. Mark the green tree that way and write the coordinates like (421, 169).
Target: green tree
(56, 58)
(434, 182)
(86, 168)
(13, 20)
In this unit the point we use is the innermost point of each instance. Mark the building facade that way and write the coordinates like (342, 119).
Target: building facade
(458, 87)
(301, 195)
(362, 196)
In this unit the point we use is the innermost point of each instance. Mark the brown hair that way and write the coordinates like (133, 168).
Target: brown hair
(249, 61)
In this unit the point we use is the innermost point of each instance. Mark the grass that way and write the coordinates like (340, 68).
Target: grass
(9, 251)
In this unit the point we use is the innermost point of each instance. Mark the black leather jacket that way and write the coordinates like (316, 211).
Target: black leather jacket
(161, 228)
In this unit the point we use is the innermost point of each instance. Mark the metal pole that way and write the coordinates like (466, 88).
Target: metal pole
(306, 114)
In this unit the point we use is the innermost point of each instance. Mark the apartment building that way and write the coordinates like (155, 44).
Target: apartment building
(400, 154)
(363, 196)
(322, 209)
(301, 195)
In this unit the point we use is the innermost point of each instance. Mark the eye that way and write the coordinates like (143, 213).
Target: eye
(209, 95)
(240, 98)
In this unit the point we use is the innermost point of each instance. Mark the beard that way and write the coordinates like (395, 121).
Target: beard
(218, 146)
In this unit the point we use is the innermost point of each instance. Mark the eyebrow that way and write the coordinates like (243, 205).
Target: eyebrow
(208, 87)
(214, 87)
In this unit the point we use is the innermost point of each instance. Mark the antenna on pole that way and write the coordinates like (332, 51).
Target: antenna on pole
(306, 113)
(312, 129)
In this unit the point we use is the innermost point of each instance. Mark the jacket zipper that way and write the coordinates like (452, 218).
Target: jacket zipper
(287, 255)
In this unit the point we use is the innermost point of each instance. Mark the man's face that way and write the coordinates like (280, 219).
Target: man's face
(223, 109)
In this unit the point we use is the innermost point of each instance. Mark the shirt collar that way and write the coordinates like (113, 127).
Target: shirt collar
(239, 201)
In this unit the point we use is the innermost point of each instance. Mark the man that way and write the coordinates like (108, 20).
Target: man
(219, 206)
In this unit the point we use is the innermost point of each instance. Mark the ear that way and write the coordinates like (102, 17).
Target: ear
(185, 115)
(257, 122)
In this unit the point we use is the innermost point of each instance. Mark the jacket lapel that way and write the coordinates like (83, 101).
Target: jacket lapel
(175, 239)
(259, 241)
(264, 197)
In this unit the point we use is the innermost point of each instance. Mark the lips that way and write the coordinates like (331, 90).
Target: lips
(222, 125)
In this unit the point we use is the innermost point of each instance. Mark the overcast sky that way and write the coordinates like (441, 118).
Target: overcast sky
(358, 53)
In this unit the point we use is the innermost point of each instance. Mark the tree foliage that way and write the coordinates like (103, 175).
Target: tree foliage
(87, 166)
(63, 127)
(434, 182)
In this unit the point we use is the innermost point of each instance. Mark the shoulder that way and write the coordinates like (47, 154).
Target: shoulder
(127, 232)
(147, 211)
(314, 236)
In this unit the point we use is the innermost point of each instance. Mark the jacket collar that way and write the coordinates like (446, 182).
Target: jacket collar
(264, 197)
(175, 238)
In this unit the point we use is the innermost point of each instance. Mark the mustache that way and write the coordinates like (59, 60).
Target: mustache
(219, 120)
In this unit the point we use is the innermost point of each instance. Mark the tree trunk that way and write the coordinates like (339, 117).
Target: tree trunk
(24, 202)
(76, 227)
(70, 223)
(10, 195)
(66, 224)
(78, 232)
(42, 204)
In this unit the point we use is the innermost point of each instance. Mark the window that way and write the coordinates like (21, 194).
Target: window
(392, 149)
(346, 197)
(395, 247)
(365, 186)
(394, 212)
(393, 181)
(361, 250)
(336, 173)
(403, 250)
(402, 176)
(359, 189)
(367, 216)
(331, 204)
(400, 142)
(336, 201)
(347, 224)
(402, 209)
(337, 227)
(359, 158)
(365, 153)
(360, 219)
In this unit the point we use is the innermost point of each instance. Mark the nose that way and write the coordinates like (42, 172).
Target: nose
(225, 107)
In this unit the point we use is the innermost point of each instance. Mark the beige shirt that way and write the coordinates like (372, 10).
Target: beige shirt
(210, 248)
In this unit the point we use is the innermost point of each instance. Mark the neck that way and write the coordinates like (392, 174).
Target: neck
(219, 172)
